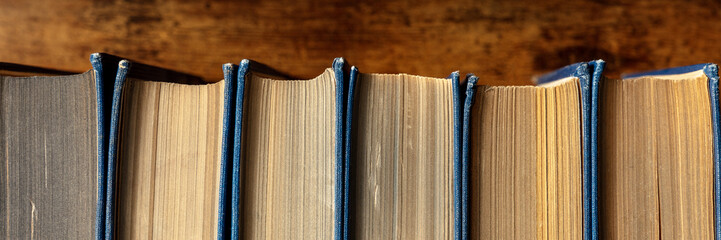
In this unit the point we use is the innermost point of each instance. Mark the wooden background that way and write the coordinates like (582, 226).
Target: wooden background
(504, 42)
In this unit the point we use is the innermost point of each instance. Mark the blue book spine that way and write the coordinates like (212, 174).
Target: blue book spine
(459, 223)
(711, 71)
(596, 75)
(103, 86)
(109, 73)
(470, 82)
(340, 102)
(113, 138)
(352, 79)
(237, 132)
(226, 154)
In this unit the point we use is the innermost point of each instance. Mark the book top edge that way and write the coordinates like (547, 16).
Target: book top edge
(668, 71)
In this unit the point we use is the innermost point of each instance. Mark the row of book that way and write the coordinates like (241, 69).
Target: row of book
(131, 151)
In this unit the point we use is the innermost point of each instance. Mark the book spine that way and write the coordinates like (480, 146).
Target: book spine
(226, 154)
(339, 66)
(352, 79)
(457, 168)
(237, 137)
(589, 75)
(596, 68)
(102, 93)
(114, 135)
(711, 71)
(470, 82)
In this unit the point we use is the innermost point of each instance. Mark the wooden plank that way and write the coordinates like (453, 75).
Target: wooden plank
(503, 41)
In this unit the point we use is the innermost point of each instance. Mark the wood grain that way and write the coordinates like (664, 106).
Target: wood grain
(504, 41)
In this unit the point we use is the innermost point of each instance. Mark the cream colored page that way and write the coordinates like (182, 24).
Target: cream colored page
(168, 173)
(402, 158)
(656, 159)
(288, 155)
(526, 162)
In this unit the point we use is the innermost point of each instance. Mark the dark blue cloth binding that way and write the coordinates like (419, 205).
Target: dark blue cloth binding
(113, 139)
(340, 102)
(226, 155)
(352, 79)
(237, 131)
(459, 204)
(341, 72)
(711, 72)
(120, 77)
(470, 83)
(104, 70)
(596, 68)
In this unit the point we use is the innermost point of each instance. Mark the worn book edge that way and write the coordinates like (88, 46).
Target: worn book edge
(589, 75)
(342, 72)
(115, 71)
(711, 72)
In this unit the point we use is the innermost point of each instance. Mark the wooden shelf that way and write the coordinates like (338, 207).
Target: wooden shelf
(503, 41)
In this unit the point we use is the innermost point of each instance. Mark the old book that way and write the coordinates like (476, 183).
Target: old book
(54, 149)
(659, 156)
(168, 138)
(289, 154)
(132, 151)
(530, 157)
(405, 157)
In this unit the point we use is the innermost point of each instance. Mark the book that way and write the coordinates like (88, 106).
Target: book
(289, 154)
(53, 129)
(658, 170)
(405, 167)
(529, 157)
(132, 151)
(167, 140)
